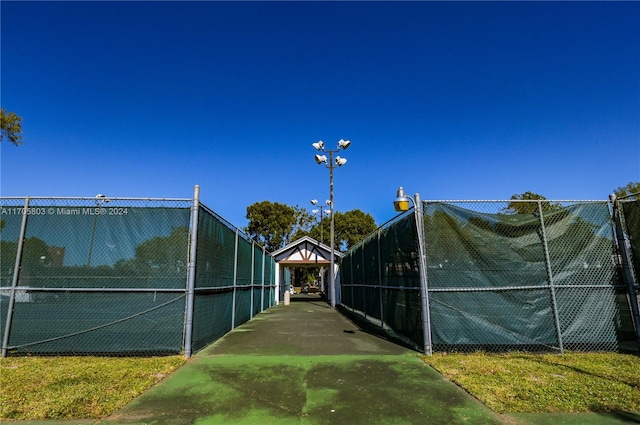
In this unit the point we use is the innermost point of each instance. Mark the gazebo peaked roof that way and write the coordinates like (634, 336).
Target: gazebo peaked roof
(305, 250)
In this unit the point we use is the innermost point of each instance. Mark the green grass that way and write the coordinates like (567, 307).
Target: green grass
(37, 388)
(523, 382)
(34, 388)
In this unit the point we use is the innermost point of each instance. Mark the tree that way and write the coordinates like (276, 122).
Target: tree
(271, 223)
(165, 252)
(276, 225)
(304, 222)
(528, 207)
(11, 127)
(631, 190)
(351, 227)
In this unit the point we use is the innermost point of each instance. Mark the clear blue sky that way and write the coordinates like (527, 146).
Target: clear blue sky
(454, 100)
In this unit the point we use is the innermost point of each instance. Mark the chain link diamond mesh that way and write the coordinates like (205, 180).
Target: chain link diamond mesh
(501, 275)
(110, 276)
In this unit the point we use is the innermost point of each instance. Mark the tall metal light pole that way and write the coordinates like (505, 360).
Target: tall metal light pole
(320, 210)
(331, 164)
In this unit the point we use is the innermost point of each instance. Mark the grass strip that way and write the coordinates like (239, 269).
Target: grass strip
(36, 388)
(535, 383)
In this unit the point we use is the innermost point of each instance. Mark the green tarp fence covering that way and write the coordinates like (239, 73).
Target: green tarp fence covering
(111, 276)
(546, 279)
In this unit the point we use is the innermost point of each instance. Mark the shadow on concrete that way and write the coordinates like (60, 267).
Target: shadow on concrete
(318, 300)
(372, 329)
(307, 297)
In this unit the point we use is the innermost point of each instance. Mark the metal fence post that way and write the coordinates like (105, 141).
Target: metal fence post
(364, 283)
(191, 280)
(353, 296)
(264, 257)
(552, 289)
(253, 275)
(624, 248)
(235, 280)
(14, 281)
(380, 279)
(424, 279)
(272, 282)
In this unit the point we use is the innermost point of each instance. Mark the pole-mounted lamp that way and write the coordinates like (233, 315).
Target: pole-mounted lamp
(331, 164)
(322, 212)
(401, 204)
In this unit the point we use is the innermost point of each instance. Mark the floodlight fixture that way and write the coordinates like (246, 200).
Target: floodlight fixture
(340, 161)
(314, 202)
(401, 203)
(344, 144)
(100, 199)
(331, 163)
(321, 159)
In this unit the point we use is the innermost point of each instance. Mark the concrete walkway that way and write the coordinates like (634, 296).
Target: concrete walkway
(304, 364)
(307, 364)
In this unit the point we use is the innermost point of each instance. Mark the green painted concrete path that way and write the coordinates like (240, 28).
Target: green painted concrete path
(304, 363)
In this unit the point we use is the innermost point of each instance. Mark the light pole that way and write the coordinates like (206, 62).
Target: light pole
(401, 204)
(331, 164)
(320, 210)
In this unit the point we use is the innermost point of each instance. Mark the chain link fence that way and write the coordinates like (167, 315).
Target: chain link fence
(110, 276)
(235, 279)
(500, 275)
(380, 279)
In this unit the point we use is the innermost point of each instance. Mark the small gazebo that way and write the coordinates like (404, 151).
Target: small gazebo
(306, 252)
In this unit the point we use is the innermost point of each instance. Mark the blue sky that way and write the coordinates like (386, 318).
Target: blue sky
(454, 100)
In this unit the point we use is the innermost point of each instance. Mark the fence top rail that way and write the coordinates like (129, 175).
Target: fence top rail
(451, 201)
(232, 227)
(84, 198)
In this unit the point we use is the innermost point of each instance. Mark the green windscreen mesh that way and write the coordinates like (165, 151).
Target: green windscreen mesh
(498, 277)
(380, 280)
(212, 317)
(110, 276)
(631, 210)
(100, 277)
(501, 280)
(226, 263)
(215, 259)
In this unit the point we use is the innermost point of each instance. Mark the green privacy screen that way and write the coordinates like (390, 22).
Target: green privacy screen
(110, 276)
(234, 279)
(95, 277)
(380, 279)
(631, 214)
(543, 277)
